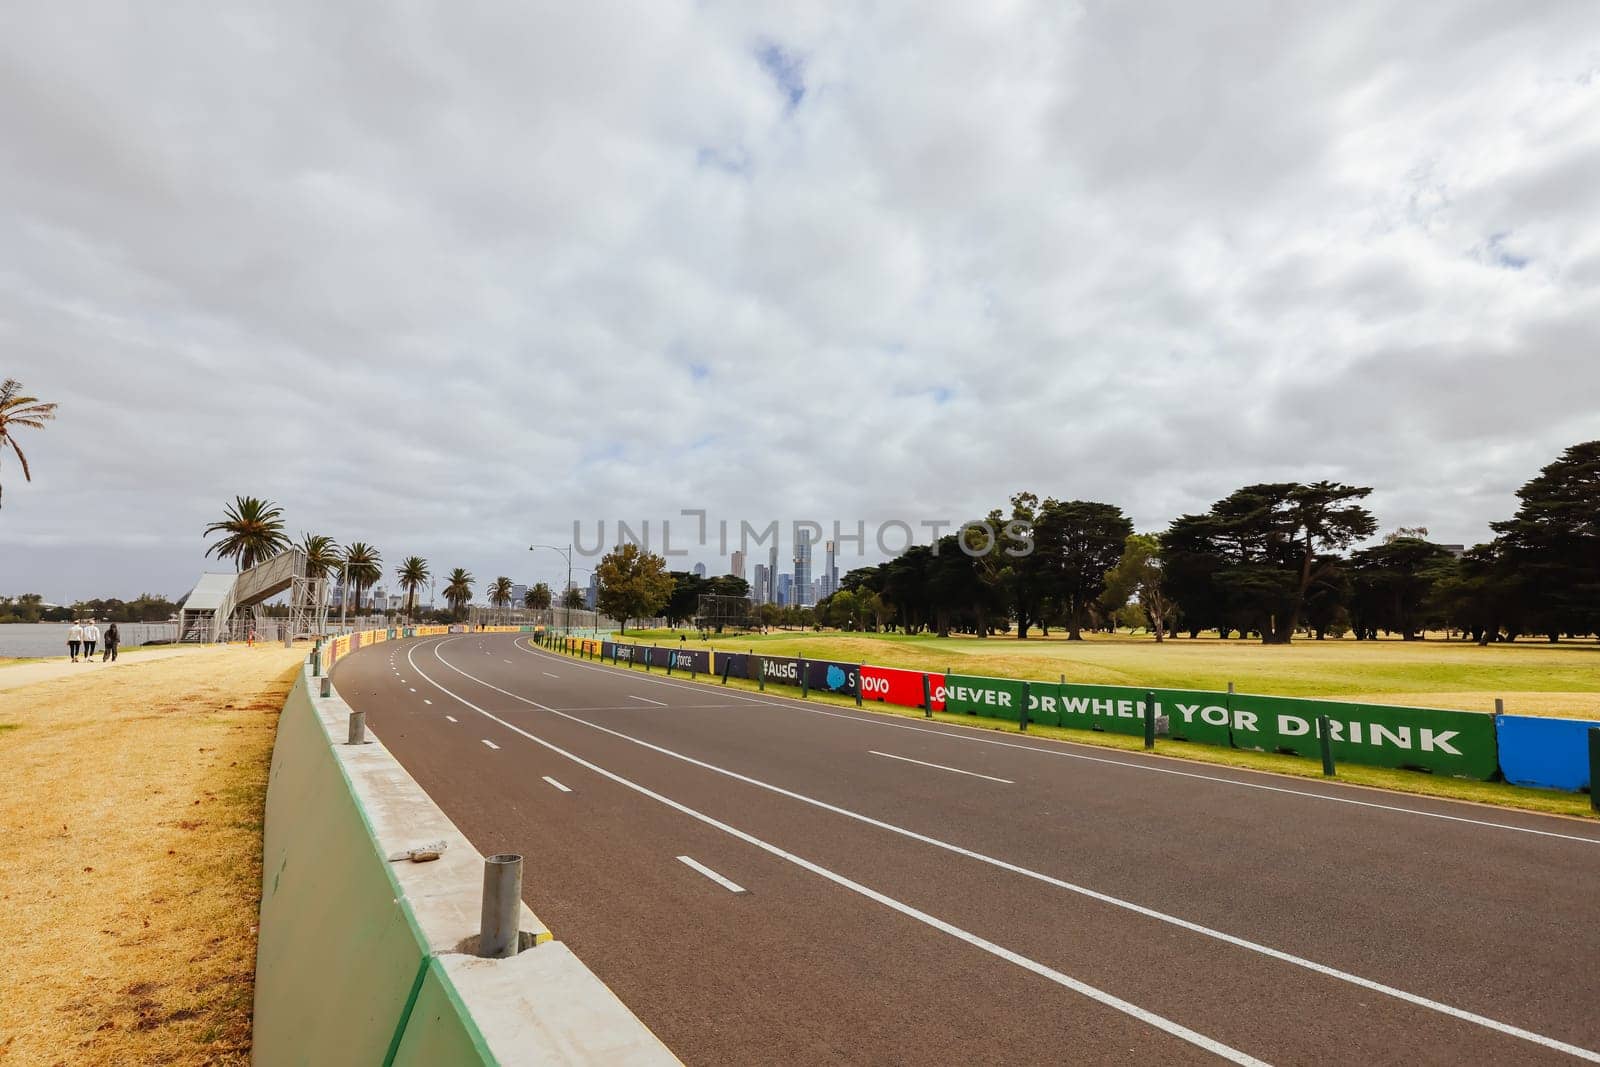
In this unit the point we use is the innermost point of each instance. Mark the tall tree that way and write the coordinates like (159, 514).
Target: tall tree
(252, 532)
(1268, 548)
(633, 584)
(538, 597)
(323, 556)
(1079, 540)
(20, 412)
(458, 591)
(500, 592)
(1553, 542)
(1138, 574)
(412, 573)
(1394, 584)
(573, 598)
(363, 566)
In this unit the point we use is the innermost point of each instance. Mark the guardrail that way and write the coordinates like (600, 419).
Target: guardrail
(365, 956)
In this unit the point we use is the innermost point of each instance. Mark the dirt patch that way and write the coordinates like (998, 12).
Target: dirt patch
(132, 842)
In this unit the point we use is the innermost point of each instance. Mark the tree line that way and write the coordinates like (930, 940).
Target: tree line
(1270, 561)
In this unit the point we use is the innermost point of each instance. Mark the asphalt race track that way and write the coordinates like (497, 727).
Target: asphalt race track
(769, 881)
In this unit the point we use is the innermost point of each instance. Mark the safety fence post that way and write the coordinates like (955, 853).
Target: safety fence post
(1325, 743)
(358, 728)
(727, 662)
(1594, 767)
(1149, 720)
(316, 663)
(927, 696)
(647, 658)
(1022, 712)
(805, 683)
(327, 686)
(858, 685)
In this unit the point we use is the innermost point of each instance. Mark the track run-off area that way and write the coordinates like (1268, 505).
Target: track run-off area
(765, 880)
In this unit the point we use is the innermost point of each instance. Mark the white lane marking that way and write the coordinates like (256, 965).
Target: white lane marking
(1093, 894)
(939, 766)
(490, 743)
(547, 674)
(647, 700)
(1150, 1018)
(425, 700)
(884, 719)
(508, 661)
(452, 718)
(557, 784)
(414, 689)
(727, 883)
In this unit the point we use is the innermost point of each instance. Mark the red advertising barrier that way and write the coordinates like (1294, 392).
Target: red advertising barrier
(891, 685)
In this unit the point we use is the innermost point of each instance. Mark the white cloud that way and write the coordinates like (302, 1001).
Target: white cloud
(517, 269)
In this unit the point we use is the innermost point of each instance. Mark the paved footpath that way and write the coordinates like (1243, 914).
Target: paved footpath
(24, 674)
(769, 881)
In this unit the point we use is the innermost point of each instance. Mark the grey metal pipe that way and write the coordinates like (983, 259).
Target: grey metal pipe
(498, 936)
(358, 728)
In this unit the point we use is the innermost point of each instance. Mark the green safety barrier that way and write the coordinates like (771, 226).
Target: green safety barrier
(341, 965)
(992, 698)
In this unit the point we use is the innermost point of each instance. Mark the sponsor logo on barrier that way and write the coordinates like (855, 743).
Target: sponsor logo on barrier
(783, 670)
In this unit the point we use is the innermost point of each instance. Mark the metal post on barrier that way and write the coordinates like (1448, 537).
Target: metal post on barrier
(358, 728)
(669, 664)
(727, 662)
(805, 683)
(499, 935)
(1499, 706)
(927, 696)
(1594, 767)
(761, 675)
(1022, 712)
(647, 659)
(1149, 720)
(316, 663)
(327, 686)
(1325, 744)
(858, 685)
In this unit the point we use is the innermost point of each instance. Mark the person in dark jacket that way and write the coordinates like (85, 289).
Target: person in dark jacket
(112, 639)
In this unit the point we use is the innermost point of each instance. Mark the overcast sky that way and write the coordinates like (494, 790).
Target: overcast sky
(449, 277)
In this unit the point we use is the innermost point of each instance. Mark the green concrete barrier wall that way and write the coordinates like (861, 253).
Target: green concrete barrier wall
(341, 965)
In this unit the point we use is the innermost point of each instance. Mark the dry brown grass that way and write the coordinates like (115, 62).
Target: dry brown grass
(130, 852)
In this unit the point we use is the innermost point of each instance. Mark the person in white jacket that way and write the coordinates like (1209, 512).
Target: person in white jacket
(91, 637)
(75, 639)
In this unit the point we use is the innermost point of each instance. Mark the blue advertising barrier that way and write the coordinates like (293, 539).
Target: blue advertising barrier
(1547, 753)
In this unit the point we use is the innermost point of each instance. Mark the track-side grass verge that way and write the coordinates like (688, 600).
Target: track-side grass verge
(130, 885)
(1419, 783)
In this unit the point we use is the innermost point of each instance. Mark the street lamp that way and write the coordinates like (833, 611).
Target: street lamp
(567, 554)
(344, 592)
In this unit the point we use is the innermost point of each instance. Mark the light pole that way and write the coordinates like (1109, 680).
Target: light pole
(344, 592)
(567, 554)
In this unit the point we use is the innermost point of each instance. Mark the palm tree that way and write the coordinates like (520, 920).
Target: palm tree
(19, 412)
(458, 590)
(500, 592)
(252, 532)
(322, 558)
(537, 598)
(412, 572)
(363, 566)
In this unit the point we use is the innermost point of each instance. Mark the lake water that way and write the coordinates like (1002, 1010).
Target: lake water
(24, 639)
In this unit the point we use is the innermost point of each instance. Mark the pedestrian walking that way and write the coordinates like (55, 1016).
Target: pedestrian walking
(113, 639)
(91, 636)
(75, 639)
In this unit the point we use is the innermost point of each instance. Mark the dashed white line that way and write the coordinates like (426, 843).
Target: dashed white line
(940, 766)
(646, 700)
(452, 718)
(557, 784)
(425, 700)
(413, 689)
(726, 883)
(547, 674)
(490, 743)
(1150, 1018)
(1093, 894)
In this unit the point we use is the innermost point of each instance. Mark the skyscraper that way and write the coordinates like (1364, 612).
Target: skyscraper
(802, 566)
(699, 570)
(592, 598)
(759, 589)
(785, 590)
(772, 573)
(830, 570)
(738, 564)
